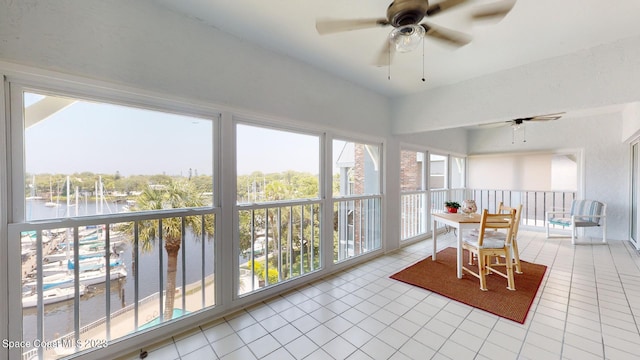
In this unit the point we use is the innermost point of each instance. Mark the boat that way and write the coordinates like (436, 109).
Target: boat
(82, 254)
(33, 190)
(88, 240)
(90, 264)
(50, 296)
(85, 278)
(51, 203)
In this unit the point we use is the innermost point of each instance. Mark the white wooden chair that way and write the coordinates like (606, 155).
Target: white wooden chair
(583, 213)
(515, 256)
(484, 247)
(514, 241)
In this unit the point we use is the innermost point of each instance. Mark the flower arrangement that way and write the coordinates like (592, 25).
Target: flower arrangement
(452, 206)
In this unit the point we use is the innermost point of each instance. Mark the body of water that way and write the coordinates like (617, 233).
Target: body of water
(59, 317)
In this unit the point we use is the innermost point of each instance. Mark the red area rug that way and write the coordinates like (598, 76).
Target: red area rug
(440, 277)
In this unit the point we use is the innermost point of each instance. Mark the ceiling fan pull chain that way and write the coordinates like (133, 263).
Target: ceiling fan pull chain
(423, 60)
(389, 66)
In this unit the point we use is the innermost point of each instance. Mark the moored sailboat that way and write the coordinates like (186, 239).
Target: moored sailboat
(50, 296)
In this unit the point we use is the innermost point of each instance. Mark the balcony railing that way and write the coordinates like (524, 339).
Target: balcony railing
(416, 212)
(92, 280)
(416, 220)
(357, 226)
(534, 203)
(278, 241)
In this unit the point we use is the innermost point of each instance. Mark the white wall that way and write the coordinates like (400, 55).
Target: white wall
(606, 158)
(630, 121)
(449, 140)
(590, 78)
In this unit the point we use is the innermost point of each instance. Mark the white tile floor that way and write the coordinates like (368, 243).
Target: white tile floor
(588, 307)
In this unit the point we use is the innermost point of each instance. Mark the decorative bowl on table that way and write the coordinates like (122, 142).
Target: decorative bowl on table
(469, 207)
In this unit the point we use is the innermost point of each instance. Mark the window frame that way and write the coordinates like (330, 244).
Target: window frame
(447, 193)
(15, 179)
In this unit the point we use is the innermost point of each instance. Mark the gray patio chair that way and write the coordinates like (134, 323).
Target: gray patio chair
(583, 213)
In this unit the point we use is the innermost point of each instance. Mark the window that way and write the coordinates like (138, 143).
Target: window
(279, 235)
(457, 167)
(413, 194)
(120, 172)
(87, 158)
(357, 217)
(437, 171)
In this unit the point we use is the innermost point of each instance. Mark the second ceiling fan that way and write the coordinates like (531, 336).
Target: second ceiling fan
(406, 16)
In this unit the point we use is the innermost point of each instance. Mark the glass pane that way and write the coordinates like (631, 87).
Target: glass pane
(437, 171)
(276, 165)
(413, 218)
(356, 168)
(411, 170)
(457, 172)
(357, 227)
(86, 158)
(278, 244)
(140, 269)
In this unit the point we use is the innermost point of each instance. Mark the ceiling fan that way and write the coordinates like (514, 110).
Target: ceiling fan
(405, 17)
(547, 117)
(518, 125)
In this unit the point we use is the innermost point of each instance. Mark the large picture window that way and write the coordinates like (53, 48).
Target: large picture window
(109, 202)
(278, 198)
(356, 187)
(425, 187)
(91, 158)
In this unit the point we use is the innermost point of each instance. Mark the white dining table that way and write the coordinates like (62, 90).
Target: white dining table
(459, 221)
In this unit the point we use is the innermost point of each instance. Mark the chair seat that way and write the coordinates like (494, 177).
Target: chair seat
(492, 233)
(567, 222)
(488, 243)
(583, 213)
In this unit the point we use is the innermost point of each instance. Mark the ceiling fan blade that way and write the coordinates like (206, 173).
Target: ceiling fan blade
(493, 11)
(493, 125)
(442, 6)
(385, 55)
(547, 117)
(450, 36)
(330, 26)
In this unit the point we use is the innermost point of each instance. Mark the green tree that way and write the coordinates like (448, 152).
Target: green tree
(176, 195)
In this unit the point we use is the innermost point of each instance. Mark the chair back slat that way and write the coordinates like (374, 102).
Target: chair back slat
(502, 209)
(496, 221)
(587, 210)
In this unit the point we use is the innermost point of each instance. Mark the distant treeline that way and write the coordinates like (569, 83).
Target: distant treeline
(257, 186)
(46, 185)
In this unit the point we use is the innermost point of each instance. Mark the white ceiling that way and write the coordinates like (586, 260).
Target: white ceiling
(534, 30)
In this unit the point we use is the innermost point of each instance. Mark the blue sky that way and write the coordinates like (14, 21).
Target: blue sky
(105, 138)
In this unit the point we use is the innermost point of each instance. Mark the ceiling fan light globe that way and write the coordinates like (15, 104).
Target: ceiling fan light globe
(406, 38)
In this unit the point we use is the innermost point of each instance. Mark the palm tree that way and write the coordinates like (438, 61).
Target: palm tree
(176, 195)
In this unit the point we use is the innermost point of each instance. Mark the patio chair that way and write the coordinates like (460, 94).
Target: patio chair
(484, 246)
(583, 213)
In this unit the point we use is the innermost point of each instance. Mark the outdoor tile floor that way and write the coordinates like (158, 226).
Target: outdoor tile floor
(588, 307)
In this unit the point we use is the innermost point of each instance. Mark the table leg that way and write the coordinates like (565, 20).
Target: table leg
(433, 236)
(459, 253)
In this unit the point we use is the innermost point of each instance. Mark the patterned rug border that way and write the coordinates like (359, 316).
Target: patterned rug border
(512, 305)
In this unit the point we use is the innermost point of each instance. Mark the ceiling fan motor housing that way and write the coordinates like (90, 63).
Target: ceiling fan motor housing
(406, 12)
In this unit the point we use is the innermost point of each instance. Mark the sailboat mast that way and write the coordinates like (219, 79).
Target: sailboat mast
(68, 196)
